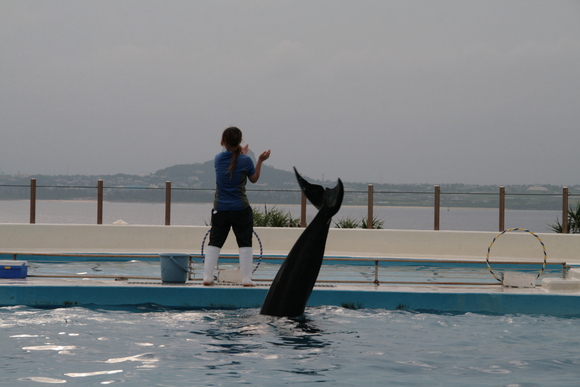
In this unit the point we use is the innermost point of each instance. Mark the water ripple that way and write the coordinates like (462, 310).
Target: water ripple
(155, 346)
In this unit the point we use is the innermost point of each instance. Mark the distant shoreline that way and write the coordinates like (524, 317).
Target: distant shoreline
(283, 205)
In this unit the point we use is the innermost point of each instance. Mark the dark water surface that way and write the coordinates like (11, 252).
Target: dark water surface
(154, 346)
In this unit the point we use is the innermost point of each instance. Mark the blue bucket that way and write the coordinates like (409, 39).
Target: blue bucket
(174, 267)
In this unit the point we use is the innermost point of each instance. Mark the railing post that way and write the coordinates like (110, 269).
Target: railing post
(167, 203)
(100, 202)
(565, 210)
(32, 201)
(437, 205)
(371, 201)
(302, 209)
(501, 208)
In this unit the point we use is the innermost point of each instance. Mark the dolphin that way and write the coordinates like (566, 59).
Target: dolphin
(291, 288)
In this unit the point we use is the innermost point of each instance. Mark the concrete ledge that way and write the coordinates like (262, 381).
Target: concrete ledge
(574, 274)
(561, 285)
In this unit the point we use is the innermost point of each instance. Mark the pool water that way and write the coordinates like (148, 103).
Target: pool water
(154, 346)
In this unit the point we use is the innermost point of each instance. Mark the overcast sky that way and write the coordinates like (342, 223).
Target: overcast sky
(475, 92)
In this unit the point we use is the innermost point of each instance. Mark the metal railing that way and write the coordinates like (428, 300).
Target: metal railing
(374, 263)
(370, 200)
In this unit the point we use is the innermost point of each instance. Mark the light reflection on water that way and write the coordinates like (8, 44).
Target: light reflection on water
(155, 346)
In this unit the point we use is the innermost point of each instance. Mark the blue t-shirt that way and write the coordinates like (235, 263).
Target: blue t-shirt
(230, 193)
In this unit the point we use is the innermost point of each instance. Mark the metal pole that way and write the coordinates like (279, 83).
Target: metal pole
(437, 215)
(501, 208)
(100, 202)
(168, 203)
(565, 210)
(32, 201)
(303, 210)
(370, 215)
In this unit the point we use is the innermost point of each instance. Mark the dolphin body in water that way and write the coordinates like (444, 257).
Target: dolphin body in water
(293, 284)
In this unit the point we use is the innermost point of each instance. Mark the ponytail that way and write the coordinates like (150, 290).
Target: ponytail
(235, 155)
(232, 138)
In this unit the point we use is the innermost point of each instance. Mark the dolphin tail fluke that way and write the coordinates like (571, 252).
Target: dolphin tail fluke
(314, 193)
(334, 198)
(330, 198)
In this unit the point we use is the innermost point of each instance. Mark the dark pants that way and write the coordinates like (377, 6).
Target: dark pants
(242, 222)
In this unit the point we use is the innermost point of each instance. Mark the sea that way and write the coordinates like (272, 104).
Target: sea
(198, 214)
(151, 345)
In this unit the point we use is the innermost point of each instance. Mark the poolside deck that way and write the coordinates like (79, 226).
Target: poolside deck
(554, 296)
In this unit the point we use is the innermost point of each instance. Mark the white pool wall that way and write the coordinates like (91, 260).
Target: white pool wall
(467, 245)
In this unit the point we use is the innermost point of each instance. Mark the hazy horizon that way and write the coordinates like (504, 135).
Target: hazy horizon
(440, 92)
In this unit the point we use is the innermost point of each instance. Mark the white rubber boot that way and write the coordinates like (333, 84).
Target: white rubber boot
(212, 254)
(246, 265)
